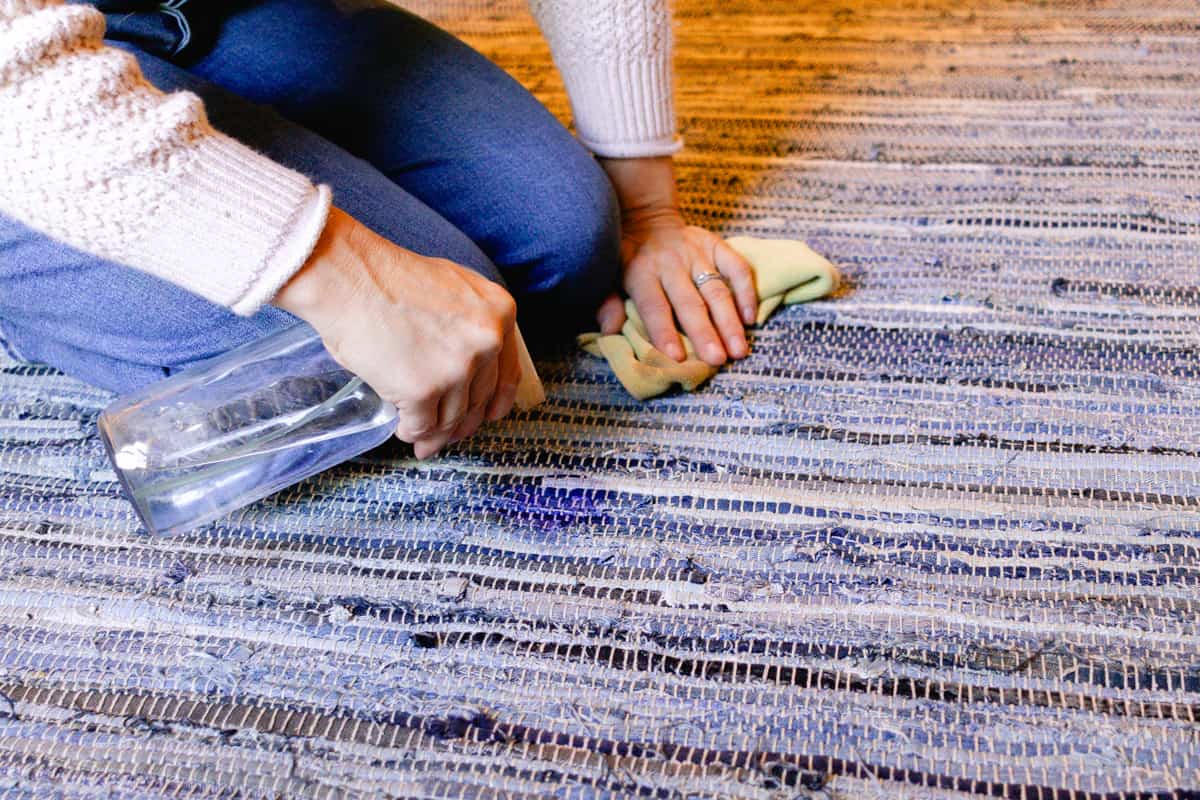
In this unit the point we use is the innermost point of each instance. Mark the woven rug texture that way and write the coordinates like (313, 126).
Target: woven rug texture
(938, 537)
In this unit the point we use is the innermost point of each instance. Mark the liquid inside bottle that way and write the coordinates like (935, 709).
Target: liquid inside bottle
(237, 428)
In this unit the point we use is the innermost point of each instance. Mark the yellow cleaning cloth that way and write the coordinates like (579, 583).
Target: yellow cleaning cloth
(785, 271)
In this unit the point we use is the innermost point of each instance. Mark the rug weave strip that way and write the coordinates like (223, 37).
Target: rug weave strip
(938, 537)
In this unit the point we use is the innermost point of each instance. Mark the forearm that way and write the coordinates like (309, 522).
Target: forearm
(93, 155)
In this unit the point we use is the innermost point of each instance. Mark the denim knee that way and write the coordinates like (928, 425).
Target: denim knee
(577, 236)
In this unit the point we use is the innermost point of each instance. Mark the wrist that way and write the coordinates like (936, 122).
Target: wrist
(323, 280)
(645, 187)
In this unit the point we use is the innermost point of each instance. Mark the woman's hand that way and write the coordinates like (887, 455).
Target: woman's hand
(663, 256)
(428, 335)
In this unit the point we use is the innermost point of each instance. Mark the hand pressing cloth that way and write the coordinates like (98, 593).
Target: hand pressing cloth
(785, 272)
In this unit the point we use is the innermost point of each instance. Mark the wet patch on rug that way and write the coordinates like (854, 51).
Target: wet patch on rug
(939, 537)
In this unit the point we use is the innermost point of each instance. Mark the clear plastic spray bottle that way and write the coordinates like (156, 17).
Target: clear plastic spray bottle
(241, 426)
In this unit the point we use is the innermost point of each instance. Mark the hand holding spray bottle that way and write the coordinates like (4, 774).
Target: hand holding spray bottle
(246, 424)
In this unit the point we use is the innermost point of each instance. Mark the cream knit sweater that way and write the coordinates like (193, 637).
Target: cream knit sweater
(93, 155)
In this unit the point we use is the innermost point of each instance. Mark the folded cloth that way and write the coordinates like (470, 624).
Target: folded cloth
(785, 272)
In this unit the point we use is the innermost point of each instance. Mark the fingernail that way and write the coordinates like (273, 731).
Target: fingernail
(675, 352)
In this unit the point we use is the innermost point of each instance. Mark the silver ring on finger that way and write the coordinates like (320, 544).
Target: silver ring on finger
(711, 275)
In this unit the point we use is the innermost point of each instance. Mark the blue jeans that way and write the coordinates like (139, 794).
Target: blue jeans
(422, 139)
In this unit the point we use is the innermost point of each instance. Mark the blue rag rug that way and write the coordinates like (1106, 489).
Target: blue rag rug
(938, 537)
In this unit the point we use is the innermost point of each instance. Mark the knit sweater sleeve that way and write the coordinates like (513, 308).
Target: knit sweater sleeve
(615, 59)
(93, 155)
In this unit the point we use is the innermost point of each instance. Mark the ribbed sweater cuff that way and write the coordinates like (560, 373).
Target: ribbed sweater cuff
(624, 109)
(293, 250)
(235, 226)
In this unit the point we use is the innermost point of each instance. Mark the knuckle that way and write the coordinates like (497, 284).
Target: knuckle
(735, 261)
(493, 341)
(654, 305)
(673, 259)
(411, 430)
(640, 276)
(497, 298)
(506, 306)
(487, 343)
(423, 397)
(694, 306)
(457, 372)
(423, 408)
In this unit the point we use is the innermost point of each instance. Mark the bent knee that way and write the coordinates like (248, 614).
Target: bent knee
(576, 239)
